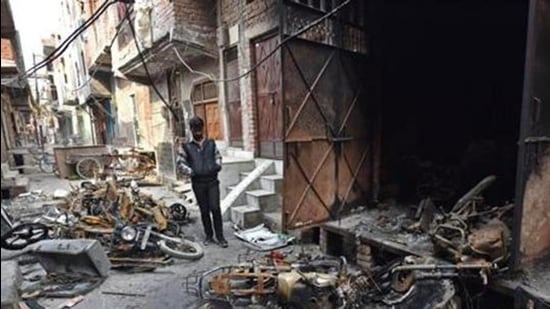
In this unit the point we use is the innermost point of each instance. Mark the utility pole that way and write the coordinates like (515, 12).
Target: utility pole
(39, 132)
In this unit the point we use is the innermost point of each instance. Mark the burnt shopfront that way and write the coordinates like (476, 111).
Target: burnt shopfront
(409, 101)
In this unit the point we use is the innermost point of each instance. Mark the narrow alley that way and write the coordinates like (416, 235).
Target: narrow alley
(275, 154)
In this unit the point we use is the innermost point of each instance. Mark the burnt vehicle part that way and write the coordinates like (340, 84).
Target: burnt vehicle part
(24, 235)
(139, 240)
(472, 231)
(305, 284)
(414, 270)
(323, 284)
(178, 212)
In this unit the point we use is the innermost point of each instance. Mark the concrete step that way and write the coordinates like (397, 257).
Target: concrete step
(7, 173)
(246, 216)
(267, 201)
(238, 153)
(241, 200)
(273, 220)
(273, 183)
(230, 173)
(269, 171)
(255, 185)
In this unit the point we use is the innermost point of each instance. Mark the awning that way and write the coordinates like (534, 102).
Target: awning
(98, 89)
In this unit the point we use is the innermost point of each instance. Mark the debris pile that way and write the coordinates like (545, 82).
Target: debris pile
(468, 245)
(276, 281)
(134, 229)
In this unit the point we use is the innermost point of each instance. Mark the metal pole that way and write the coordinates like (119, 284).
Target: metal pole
(38, 129)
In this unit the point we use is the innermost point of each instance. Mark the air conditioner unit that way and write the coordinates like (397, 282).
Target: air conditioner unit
(222, 37)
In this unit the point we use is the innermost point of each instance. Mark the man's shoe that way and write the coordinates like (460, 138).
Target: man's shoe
(208, 241)
(223, 243)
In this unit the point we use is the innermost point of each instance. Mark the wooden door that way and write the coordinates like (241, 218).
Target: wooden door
(213, 125)
(268, 99)
(205, 101)
(233, 92)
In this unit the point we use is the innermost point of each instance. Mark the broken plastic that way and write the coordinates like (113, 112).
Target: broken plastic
(262, 239)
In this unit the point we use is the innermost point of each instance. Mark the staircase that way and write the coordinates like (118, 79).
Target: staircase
(260, 201)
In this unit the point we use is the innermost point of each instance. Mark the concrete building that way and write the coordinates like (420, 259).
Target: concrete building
(63, 114)
(167, 31)
(71, 75)
(16, 112)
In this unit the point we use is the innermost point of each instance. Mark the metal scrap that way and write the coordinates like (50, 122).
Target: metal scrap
(105, 210)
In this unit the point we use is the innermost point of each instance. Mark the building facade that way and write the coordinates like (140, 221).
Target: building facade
(16, 112)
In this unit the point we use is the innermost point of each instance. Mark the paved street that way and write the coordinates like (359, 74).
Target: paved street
(163, 288)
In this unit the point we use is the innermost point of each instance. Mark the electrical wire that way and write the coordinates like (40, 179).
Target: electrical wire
(65, 44)
(96, 69)
(133, 31)
(271, 53)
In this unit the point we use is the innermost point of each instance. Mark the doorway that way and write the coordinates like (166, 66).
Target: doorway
(205, 106)
(269, 113)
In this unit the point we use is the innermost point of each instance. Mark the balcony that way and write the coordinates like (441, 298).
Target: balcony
(186, 25)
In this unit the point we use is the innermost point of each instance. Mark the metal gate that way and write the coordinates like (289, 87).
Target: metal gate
(327, 133)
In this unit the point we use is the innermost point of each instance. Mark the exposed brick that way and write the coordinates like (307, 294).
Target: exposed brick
(7, 50)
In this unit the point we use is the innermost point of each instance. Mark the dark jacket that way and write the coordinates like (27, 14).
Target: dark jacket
(201, 162)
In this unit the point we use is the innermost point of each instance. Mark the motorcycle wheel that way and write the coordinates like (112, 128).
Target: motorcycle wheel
(181, 248)
(23, 235)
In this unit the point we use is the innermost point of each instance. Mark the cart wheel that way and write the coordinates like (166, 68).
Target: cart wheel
(87, 168)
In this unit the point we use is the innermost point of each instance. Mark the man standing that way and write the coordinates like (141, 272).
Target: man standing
(201, 160)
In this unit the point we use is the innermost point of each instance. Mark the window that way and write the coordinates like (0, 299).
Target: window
(77, 74)
(54, 92)
(82, 59)
(204, 93)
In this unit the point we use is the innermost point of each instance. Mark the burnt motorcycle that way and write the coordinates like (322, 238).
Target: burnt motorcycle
(143, 241)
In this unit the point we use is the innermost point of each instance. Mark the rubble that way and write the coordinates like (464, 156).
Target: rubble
(133, 228)
(469, 244)
(11, 284)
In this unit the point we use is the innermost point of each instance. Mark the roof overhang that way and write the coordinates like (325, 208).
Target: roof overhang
(162, 57)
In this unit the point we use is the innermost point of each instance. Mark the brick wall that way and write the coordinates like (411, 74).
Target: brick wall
(102, 31)
(153, 121)
(255, 19)
(230, 11)
(185, 20)
(162, 18)
(126, 113)
(196, 22)
(338, 244)
(7, 49)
